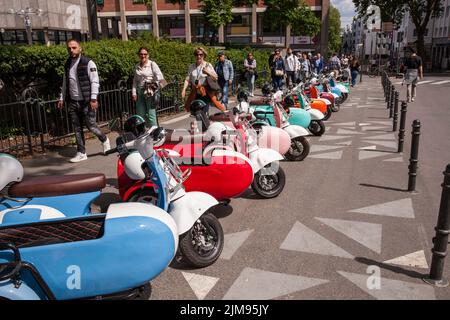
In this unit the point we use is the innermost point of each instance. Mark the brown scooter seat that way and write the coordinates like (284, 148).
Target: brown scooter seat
(258, 102)
(52, 186)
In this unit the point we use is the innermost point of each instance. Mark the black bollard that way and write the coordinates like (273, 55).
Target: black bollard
(414, 158)
(391, 102)
(388, 90)
(441, 240)
(401, 132)
(396, 99)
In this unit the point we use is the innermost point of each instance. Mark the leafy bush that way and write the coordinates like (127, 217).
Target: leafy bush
(115, 59)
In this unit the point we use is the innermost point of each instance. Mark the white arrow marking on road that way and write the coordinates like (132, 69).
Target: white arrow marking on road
(345, 131)
(423, 82)
(389, 136)
(233, 242)
(369, 148)
(402, 208)
(415, 259)
(303, 239)
(337, 155)
(255, 284)
(368, 129)
(201, 285)
(318, 148)
(391, 289)
(440, 82)
(364, 155)
(367, 234)
(387, 144)
(345, 124)
(331, 137)
(345, 143)
(399, 159)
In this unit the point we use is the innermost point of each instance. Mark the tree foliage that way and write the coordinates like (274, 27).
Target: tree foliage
(294, 13)
(334, 31)
(421, 11)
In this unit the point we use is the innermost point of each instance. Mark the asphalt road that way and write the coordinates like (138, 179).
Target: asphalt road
(343, 228)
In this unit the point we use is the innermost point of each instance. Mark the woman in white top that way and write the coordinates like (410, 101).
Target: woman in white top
(147, 79)
(197, 80)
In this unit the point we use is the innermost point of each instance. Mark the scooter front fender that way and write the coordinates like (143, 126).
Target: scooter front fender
(261, 157)
(186, 210)
(342, 88)
(296, 131)
(327, 102)
(23, 292)
(316, 114)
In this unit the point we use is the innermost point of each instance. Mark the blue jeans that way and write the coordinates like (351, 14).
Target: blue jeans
(354, 77)
(251, 83)
(277, 83)
(225, 87)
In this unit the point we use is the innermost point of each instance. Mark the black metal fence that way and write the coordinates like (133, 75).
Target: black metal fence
(30, 123)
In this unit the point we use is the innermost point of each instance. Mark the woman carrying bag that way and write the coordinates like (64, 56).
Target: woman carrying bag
(203, 81)
(250, 73)
(148, 78)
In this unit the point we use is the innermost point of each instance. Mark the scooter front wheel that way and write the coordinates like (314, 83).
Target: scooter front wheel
(317, 127)
(269, 184)
(202, 245)
(327, 114)
(299, 149)
(335, 107)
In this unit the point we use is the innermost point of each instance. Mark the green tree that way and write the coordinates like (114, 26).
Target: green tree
(217, 13)
(294, 14)
(334, 31)
(421, 11)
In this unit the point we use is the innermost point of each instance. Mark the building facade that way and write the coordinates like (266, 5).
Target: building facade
(45, 22)
(186, 22)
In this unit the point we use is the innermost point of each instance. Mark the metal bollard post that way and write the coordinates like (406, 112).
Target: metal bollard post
(414, 158)
(441, 240)
(391, 99)
(395, 122)
(401, 132)
(391, 104)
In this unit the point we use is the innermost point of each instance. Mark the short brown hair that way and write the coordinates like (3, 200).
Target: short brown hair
(73, 40)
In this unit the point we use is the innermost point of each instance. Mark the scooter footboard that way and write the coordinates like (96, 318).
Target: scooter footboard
(186, 210)
(138, 242)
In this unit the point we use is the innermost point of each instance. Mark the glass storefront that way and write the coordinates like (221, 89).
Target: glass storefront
(172, 27)
(240, 29)
(9, 37)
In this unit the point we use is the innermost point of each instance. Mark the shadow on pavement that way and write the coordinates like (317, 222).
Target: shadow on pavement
(378, 150)
(396, 269)
(382, 187)
(222, 210)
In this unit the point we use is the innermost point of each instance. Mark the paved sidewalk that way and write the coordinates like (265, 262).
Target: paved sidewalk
(343, 228)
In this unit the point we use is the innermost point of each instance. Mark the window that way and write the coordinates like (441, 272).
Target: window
(415, 33)
(447, 11)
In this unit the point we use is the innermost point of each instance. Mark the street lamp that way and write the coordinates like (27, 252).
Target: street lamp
(26, 13)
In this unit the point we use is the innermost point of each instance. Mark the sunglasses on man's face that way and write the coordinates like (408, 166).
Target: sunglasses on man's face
(143, 54)
(199, 54)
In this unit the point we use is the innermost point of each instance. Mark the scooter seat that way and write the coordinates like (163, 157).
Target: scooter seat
(258, 102)
(52, 186)
(177, 136)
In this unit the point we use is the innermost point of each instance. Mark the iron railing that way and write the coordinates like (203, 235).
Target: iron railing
(31, 123)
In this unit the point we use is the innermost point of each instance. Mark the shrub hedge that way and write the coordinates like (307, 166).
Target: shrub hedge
(115, 59)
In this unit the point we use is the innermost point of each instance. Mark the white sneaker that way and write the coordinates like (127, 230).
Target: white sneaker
(412, 100)
(79, 157)
(106, 146)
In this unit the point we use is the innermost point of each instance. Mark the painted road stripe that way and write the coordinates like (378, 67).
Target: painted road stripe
(441, 82)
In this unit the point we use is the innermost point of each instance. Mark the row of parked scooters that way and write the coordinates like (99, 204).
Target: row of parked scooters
(53, 246)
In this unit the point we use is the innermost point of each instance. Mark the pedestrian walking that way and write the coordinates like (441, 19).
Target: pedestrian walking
(79, 92)
(319, 63)
(354, 70)
(147, 81)
(305, 67)
(225, 72)
(277, 70)
(250, 73)
(414, 70)
(290, 64)
(334, 65)
(202, 78)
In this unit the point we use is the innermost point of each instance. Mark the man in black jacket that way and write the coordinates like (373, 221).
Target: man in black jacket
(79, 90)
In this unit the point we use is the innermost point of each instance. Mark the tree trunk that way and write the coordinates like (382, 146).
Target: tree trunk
(421, 52)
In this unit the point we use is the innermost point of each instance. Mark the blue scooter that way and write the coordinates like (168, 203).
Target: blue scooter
(52, 247)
